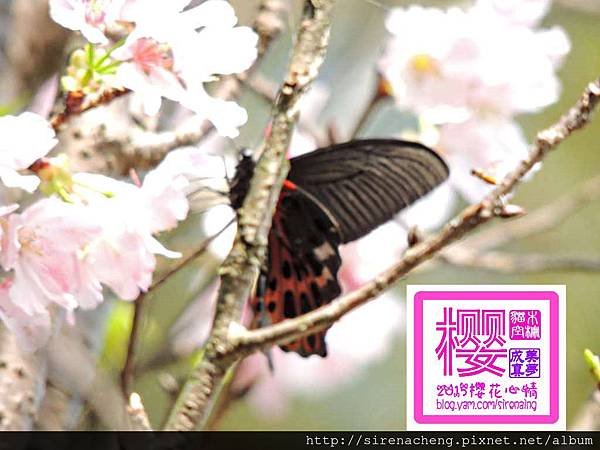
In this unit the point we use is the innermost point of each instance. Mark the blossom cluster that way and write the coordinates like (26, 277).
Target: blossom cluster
(169, 51)
(467, 73)
(89, 232)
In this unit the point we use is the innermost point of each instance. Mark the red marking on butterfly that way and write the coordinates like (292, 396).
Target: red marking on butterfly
(332, 196)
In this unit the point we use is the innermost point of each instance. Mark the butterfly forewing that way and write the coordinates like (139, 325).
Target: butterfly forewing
(364, 183)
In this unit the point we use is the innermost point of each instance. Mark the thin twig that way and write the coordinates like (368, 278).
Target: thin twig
(379, 95)
(527, 263)
(540, 220)
(241, 267)
(474, 251)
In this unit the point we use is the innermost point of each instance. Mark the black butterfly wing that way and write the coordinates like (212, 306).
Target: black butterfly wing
(364, 183)
(302, 267)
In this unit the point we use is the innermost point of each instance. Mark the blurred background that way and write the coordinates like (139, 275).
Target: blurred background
(371, 395)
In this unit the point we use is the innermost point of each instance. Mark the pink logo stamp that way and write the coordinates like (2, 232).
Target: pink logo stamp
(486, 357)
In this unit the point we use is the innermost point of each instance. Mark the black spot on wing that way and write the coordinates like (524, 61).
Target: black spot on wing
(304, 304)
(316, 294)
(273, 284)
(286, 269)
(289, 305)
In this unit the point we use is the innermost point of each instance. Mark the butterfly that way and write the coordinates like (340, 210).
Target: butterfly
(332, 196)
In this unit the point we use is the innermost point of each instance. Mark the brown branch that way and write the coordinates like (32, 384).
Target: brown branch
(268, 23)
(474, 251)
(380, 93)
(241, 267)
(246, 342)
(76, 105)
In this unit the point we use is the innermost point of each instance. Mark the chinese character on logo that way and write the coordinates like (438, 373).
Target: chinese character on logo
(524, 362)
(475, 336)
(525, 324)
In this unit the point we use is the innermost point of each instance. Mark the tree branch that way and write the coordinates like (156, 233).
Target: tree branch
(76, 104)
(241, 267)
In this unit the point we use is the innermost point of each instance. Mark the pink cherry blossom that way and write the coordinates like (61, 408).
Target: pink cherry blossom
(165, 57)
(466, 86)
(167, 187)
(122, 256)
(90, 17)
(23, 140)
(43, 247)
(464, 69)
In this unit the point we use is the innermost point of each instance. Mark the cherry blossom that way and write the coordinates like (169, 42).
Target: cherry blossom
(463, 68)
(123, 257)
(62, 254)
(170, 51)
(167, 188)
(166, 57)
(466, 86)
(43, 247)
(90, 17)
(24, 139)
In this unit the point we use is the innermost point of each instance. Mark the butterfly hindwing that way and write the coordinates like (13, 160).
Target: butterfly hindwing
(364, 183)
(302, 267)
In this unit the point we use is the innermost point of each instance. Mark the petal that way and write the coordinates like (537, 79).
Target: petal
(32, 331)
(13, 179)
(211, 13)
